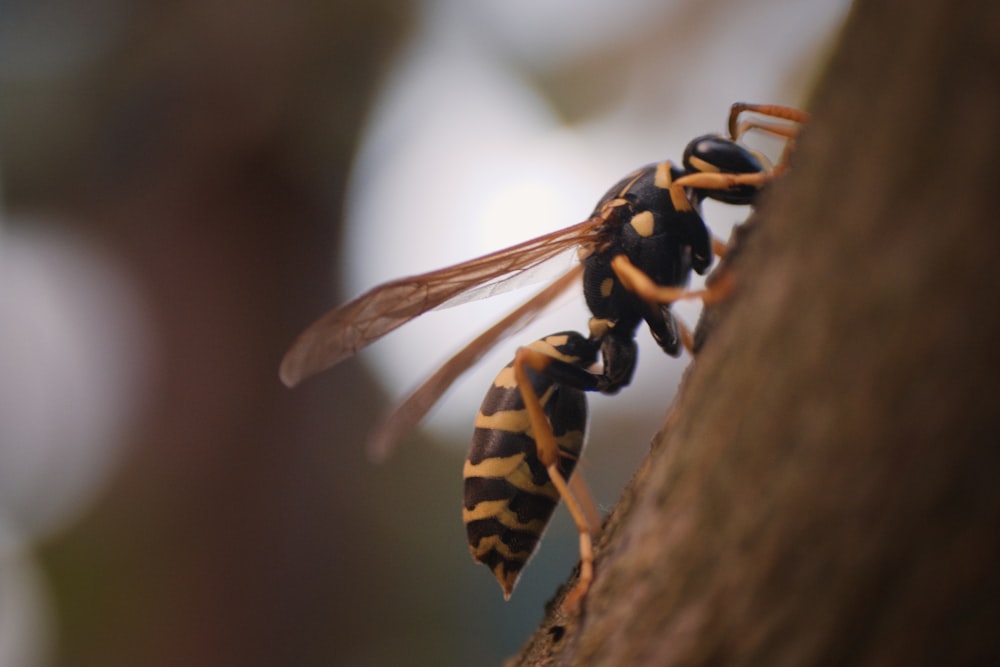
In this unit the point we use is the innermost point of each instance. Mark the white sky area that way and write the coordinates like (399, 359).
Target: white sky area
(462, 156)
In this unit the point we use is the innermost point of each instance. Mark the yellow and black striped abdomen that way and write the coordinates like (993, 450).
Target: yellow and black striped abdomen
(509, 497)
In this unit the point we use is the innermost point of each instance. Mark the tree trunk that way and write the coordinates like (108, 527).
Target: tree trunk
(826, 489)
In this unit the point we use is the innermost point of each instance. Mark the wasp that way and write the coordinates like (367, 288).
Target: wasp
(637, 250)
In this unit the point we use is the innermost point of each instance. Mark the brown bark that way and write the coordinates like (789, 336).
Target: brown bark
(826, 489)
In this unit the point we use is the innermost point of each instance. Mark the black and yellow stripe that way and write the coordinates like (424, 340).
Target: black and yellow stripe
(509, 496)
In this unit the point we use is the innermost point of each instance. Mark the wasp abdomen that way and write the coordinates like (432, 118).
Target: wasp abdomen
(509, 496)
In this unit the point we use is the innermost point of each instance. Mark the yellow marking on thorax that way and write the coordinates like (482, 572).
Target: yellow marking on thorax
(703, 166)
(607, 285)
(663, 178)
(599, 327)
(631, 182)
(643, 223)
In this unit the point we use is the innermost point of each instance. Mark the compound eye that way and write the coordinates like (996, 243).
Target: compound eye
(712, 154)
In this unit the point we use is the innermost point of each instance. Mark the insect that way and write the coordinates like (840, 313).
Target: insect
(637, 250)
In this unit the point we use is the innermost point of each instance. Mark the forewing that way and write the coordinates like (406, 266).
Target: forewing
(345, 330)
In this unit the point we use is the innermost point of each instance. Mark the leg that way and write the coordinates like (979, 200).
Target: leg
(789, 132)
(739, 188)
(715, 180)
(719, 247)
(778, 111)
(579, 487)
(548, 454)
(636, 281)
(687, 338)
(779, 129)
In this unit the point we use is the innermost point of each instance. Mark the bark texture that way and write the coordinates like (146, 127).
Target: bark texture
(826, 489)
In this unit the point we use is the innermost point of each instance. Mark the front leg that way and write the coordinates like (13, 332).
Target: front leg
(639, 283)
(636, 281)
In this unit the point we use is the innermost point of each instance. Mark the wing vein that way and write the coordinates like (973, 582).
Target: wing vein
(344, 330)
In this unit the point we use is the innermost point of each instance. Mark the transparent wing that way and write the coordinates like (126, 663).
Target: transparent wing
(547, 270)
(345, 330)
(415, 407)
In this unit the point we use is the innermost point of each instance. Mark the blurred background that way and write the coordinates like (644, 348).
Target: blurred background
(187, 185)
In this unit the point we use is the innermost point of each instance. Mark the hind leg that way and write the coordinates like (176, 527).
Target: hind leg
(579, 503)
